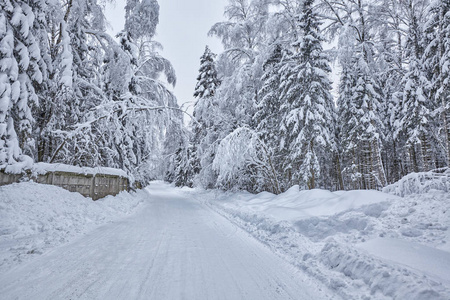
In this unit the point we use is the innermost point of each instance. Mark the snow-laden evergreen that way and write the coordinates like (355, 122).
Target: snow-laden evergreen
(308, 108)
(267, 118)
(207, 81)
(191, 158)
(415, 120)
(442, 83)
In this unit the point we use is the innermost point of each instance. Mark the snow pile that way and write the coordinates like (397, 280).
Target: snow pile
(313, 203)
(420, 183)
(383, 279)
(342, 238)
(35, 218)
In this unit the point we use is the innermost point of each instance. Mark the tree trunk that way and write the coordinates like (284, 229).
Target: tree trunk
(426, 155)
(338, 172)
(396, 164)
(312, 179)
(412, 152)
(378, 164)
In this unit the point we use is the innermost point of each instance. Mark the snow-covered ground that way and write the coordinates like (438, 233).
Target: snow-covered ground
(35, 218)
(171, 243)
(362, 244)
(173, 247)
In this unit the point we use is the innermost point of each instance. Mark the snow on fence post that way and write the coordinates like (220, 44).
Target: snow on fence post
(95, 183)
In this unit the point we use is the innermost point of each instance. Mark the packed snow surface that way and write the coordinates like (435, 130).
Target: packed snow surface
(171, 243)
(173, 247)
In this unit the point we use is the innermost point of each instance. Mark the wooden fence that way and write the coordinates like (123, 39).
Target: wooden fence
(95, 186)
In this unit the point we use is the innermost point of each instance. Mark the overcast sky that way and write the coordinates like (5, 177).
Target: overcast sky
(182, 30)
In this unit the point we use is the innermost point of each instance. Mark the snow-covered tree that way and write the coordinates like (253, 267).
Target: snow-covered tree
(141, 18)
(78, 48)
(232, 104)
(443, 93)
(366, 132)
(267, 118)
(58, 107)
(205, 122)
(414, 122)
(437, 64)
(242, 161)
(20, 70)
(147, 121)
(308, 106)
(207, 81)
(187, 165)
(243, 36)
(354, 21)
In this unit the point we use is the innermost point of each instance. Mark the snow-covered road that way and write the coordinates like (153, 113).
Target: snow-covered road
(175, 247)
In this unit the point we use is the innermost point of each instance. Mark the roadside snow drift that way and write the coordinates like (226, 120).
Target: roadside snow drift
(362, 244)
(35, 218)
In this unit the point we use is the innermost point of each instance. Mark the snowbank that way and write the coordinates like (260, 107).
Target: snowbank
(35, 218)
(295, 205)
(420, 183)
(337, 236)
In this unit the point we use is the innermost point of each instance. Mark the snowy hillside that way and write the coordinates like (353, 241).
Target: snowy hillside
(35, 218)
(356, 242)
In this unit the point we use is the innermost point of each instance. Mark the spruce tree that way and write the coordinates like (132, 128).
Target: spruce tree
(435, 65)
(347, 120)
(187, 162)
(207, 81)
(187, 166)
(415, 120)
(309, 116)
(267, 118)
(443, 91)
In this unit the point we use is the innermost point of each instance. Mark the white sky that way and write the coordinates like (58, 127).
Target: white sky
(182, 30)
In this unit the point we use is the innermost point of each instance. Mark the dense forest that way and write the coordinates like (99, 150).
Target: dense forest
(70, 93)
(266, 115)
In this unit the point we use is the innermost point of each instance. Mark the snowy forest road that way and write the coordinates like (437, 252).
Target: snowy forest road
(175, 247)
